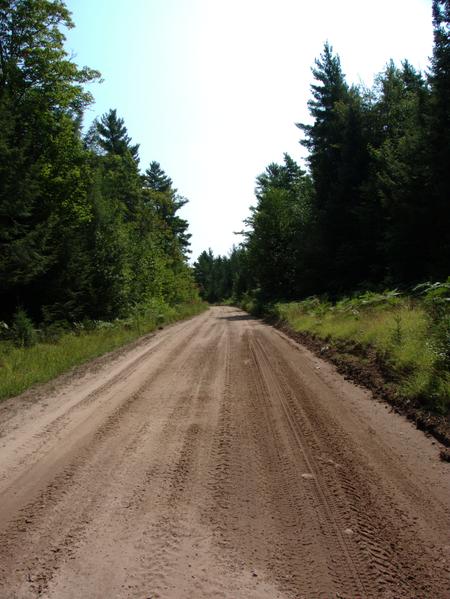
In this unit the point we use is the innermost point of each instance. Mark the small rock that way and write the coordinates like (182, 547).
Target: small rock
(348, 531)
(307, 475)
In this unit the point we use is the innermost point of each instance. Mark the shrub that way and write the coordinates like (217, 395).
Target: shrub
(52, 332)
(23, 333)
(437, 306)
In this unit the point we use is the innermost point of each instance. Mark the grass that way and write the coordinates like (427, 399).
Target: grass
(397, 327)
(22, 367)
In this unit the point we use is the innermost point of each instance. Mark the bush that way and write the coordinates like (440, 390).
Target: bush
(23, 333)
(437, 306)
(52, 332)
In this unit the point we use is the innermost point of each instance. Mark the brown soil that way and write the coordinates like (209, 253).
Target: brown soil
(218, 458)
(364, 366)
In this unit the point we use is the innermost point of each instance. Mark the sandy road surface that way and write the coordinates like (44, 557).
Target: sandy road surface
(218, 459)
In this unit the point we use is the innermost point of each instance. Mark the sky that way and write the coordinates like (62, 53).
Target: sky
(212, 89)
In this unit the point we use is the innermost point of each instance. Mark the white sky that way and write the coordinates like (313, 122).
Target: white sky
(211, 89)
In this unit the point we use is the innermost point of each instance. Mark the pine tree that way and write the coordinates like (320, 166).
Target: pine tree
(113, 136)
(395, 190)
(118, 161)
(338, 160)
(166, 202)
(439, 141)
(156, 179)
(279, 230)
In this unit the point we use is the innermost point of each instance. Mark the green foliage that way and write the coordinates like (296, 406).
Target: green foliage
(112, 137)
(373, 210)
(398, 180)
(437, 306)
(166, 202)
(23, 333)
(279, 231)
(83, 235)
(41, 157)
(338, 158)
(438, 140)
(394, 325)
(222, 278)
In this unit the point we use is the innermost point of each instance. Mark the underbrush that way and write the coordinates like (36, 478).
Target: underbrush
(409, 335)
(29, 356)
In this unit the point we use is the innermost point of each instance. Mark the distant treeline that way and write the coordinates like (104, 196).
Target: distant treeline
(373, 209)
(83, 232)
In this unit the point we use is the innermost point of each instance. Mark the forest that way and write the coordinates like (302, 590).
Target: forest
(371, 208)
(86, 234)
(94, 252)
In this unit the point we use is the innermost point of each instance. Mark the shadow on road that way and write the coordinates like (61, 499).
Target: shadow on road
(237, 317)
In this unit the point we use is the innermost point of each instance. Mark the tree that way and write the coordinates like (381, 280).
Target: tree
(439, 141)
(78, 235)
(218, 277)
(156, 179)
(278, 234)
(338, 161)
(397, 184)
(163, 197)
(118, 160)
(41, 103)
(112, 136)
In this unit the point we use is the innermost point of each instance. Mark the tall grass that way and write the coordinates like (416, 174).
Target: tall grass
(397, 327)
(22, 367)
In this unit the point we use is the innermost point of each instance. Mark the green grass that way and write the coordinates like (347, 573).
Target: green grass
(398, 328)
(21, 367)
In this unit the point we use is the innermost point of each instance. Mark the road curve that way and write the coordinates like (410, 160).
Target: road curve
(218, 458)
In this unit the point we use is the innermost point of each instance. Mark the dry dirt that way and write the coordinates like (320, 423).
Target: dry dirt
(218, 458)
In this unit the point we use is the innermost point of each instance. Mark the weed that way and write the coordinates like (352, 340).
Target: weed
(411, 334)
(397, 332)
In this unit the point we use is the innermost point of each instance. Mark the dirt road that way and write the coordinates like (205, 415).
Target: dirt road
(218, 459)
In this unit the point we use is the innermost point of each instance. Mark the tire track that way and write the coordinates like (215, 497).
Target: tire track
(375, 541)
(348, 573)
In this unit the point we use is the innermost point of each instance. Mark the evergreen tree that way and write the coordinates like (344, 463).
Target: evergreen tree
(439, 142)
(113, 136)
(166, 202)
(156, 179)
(117, 160)
(396, 187)
(41, 102)
(339, 161)
(221, 277)
(78, 237)
(374, 210)
(278, 234)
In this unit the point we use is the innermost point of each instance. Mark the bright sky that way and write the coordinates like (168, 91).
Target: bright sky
(211, 89)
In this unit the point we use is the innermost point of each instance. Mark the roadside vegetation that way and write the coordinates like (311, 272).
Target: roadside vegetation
(29, 355)
(409, 335)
